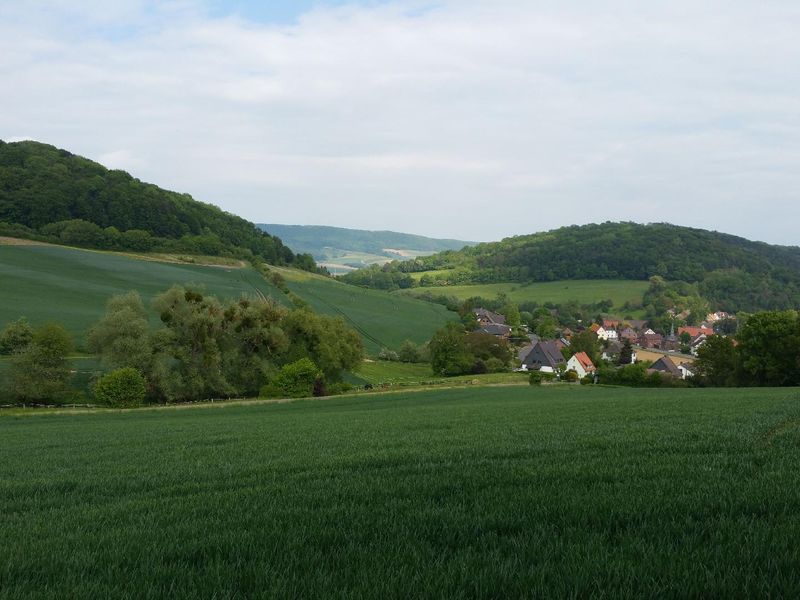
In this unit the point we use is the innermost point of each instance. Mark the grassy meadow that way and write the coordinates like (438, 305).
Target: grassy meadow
(583, 291)
(487, 492)
(71, 286)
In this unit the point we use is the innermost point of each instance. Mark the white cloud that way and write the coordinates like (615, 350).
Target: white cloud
(461, 119)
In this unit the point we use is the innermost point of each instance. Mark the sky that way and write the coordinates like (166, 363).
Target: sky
(464, 119)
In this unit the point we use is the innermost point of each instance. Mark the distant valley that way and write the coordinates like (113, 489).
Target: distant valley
(343, 250)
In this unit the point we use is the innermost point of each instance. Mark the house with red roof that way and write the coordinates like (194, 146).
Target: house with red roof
(581, 364)
(695, 331)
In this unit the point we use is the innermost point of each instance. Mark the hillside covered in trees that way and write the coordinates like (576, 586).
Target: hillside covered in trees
(731, 272)
(53, 195)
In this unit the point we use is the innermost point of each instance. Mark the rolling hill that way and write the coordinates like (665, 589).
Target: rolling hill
(71, 286)
(341, 250)
(731, 272)
(50, 194)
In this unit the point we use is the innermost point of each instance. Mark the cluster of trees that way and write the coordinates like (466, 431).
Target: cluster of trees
(732, 273)
(453, 351)
(53, 195)
(205, 348)
(40, 369)
(766, 352)
(202, 349)
(408, 352)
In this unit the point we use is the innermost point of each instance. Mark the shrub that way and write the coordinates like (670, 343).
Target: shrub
(390, 355)
(123, 388)
(295, 380)
(570, 376)
(535, 378)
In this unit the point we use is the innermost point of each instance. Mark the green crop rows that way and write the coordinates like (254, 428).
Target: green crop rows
(69, 286)
(493, 492)
(382, 319)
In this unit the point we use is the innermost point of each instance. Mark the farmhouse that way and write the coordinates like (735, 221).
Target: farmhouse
(606, 334)
(581, 364)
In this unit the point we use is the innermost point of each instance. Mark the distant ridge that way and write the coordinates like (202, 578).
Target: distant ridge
(341, 249)
(732, 272)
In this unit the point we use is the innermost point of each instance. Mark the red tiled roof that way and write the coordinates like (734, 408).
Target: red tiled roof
(585, 361)
(695, 331)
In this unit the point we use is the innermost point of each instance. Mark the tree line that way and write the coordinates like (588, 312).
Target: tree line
(202, 348)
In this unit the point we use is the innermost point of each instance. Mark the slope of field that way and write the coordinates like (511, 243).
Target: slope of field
(71, 286)
(382, 319)
(342, 250)
(494, 492)
(584, 291)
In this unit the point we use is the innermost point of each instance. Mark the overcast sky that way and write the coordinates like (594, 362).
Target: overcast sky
(465, 119)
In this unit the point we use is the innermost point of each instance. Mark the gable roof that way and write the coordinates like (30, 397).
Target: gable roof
(544, 354)
(495, 329)
(695, 331)
(665, 365)
(585, 361)
(594, 328)
(492, 317)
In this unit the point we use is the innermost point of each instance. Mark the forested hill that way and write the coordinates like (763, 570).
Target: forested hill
(52, 194)
(741, 273)
(316, 238)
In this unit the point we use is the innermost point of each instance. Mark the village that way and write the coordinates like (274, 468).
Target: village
(622, 342)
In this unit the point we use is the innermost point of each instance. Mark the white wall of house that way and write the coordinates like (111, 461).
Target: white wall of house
(607, 334)
(573, 364)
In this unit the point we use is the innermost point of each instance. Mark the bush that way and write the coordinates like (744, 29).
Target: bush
(390, 355)
(296, 380)
(123, 388)
(539, 377)
(339, 388)
(570, 376)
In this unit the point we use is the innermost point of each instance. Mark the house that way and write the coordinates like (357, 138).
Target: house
(496, 329)
(695, 331)
(665, 366)
(544, 356)
(651, 340)
(636, 324)
(581, 364)
(610, 324)
(594, 327)
(607, 334)
(697, 343)
(567, 333)
(686, 369)
(613, 350)
(523, 351)
(628, 334)
(487, 317)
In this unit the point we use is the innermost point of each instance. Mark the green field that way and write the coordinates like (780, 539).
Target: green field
(557, 292)
(382, 319)
(70, 286)
(491, 492)
(404, 374)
